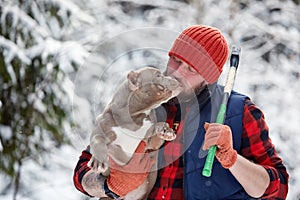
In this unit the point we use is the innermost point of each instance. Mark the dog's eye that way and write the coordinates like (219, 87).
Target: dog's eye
(158, 75)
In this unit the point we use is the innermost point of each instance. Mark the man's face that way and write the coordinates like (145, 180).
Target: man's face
(188, 77)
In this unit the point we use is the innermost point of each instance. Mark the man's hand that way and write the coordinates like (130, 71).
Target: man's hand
(220, 135)
(123, 179)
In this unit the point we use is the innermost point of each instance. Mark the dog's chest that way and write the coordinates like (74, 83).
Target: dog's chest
(128, 139)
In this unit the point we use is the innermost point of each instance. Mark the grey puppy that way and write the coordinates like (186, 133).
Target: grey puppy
(129, 118)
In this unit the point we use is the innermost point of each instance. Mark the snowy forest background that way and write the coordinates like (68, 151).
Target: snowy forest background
(60, 61)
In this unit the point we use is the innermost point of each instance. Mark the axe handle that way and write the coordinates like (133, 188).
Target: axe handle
(234, 62)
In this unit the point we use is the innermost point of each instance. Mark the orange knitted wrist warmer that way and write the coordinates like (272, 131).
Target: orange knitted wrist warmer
(117, 187)
(226, 158)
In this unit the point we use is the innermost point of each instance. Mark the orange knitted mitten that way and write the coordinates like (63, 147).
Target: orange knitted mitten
(123, 179)
(220, 135)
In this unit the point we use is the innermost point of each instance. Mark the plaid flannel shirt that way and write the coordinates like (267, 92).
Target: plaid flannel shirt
(80, 170)
(256, 146)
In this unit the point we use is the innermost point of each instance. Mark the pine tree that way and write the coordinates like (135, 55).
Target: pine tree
(35, 56)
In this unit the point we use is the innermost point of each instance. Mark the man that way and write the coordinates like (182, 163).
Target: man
(246, 166)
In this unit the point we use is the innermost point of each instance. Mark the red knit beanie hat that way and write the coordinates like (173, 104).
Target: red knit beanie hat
(204, 48)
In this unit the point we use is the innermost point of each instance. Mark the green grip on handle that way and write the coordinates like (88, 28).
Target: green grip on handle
(212, 150)
(209, 161)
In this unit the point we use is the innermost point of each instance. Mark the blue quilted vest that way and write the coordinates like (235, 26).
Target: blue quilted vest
(221, 184)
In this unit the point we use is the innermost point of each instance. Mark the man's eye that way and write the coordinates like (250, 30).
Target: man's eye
(177, 61)
(192, 69)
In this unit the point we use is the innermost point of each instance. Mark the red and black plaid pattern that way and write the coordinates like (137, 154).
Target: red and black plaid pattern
(170, 182)
(257, 146)
(80, 170)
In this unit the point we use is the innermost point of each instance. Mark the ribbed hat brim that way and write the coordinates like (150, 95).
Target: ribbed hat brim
(204, 48)
(193, 54)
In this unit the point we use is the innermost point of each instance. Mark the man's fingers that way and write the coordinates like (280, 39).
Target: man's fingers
(141, 147)
(212, 135)
(210, 142)
(147, 161)
(212, 126)
(139, 153)
(215, 134)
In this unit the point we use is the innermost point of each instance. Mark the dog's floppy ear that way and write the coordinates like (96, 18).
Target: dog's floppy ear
(133, 82)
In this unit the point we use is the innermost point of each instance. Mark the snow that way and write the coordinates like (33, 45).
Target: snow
(6, 131)
(52, 180)
(14, 51)
(66, 52)
(114, 42)
(20, 17)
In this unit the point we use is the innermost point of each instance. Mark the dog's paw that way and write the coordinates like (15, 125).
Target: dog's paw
(164, 132)
(99, 160)
(98, 166)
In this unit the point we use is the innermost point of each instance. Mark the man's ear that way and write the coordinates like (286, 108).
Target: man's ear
(133, 83)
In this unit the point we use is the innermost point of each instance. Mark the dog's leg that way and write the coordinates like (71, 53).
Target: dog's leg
(118, 155)
(99, 160)
(163, 131)
(98, 144)
(159, 133)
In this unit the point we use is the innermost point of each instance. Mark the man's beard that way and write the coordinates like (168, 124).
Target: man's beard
(191, 94)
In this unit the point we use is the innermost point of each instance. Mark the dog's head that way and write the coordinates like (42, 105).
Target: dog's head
(150, 88)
